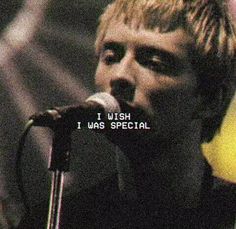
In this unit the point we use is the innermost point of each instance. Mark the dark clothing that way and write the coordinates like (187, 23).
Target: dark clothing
(103, 207)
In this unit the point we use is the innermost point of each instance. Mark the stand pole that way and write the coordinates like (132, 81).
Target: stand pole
(59, 164)
(55, 200)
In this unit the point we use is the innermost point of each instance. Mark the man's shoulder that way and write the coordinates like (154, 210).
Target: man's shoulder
(224, 193)
(220, 208)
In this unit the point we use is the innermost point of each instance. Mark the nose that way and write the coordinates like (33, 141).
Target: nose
(123, 81)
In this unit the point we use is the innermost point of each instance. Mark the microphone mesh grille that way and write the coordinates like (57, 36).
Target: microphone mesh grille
(108, 102)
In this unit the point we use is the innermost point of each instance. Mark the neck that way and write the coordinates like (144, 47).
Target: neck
(170, 173)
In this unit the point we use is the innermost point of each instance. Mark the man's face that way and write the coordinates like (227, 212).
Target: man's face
(150, 70)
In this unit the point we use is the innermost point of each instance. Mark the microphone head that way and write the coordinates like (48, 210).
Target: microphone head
(107, 101)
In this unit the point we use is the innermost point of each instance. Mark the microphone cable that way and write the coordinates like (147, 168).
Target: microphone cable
(18, 167)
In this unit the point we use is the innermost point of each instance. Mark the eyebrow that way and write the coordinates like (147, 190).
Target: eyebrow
(111, 44)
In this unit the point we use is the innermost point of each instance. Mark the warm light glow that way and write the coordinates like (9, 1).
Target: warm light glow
(221, 152)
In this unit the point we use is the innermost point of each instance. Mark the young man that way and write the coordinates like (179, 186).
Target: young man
(175, 61)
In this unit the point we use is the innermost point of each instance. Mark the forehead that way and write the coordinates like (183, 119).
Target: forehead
(176, 41)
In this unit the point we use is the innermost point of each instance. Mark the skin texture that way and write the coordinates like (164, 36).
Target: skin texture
(150, 71)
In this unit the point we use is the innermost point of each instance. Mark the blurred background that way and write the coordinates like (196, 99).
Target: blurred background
(47, 60)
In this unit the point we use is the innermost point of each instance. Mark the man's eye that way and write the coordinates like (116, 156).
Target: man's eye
(109, 56)
(155, 63)
(112, 53)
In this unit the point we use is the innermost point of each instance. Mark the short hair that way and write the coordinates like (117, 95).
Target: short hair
(213, 55)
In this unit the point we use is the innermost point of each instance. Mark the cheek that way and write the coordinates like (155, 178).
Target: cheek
(173, 98)
(176, 105)
(158, 93)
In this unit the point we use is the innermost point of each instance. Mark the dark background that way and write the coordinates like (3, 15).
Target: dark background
(56, 67)
(53, 67)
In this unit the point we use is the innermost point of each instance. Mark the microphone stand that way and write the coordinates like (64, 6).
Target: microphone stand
(59, 164)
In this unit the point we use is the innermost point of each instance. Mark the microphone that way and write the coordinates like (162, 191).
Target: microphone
(68, 116)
